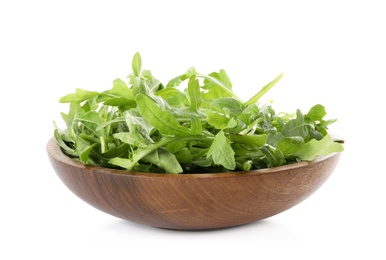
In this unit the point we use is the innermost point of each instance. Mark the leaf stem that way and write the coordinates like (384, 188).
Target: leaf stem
(103, 144)
(264, 90)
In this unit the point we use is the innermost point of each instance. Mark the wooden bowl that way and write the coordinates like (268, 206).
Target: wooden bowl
(192, 201)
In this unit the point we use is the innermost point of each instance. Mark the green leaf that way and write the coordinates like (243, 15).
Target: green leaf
(79, 96)
(83, 148)
(173, 96)
(115, 151)
(249, 114)
(184, 156)
(62, 144)
(132, 138)
(233, 105)
(69, 118)
(121, 101)
(136, 64)
(216, 88)
(176, 146)
(316, 113)
(273, 157)
(274, 138)
(137, 124)
(153, 83)
(221, 152)
(264, 90)
(175, 82)
(123, 162)
(165, 160)
(297, 127)
(90, 117)
(110, 122)
(247, 165)
(202, 126)
(194, 93)
(249, 140)
(217, 120)
(196, 126)
(84, 155)
(160, 119)
(119, 95)
(310, 150)
(203, 162)
(120, 89)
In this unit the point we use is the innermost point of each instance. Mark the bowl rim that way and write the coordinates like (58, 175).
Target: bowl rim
(54, 151)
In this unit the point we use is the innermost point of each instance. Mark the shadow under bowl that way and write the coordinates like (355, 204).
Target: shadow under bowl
(192, 201)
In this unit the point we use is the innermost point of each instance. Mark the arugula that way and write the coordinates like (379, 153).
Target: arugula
(202, 126)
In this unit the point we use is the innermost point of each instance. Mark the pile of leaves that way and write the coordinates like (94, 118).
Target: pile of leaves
(193, 124)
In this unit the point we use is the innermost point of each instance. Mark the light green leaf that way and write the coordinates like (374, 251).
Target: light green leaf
(110, 122)
(121, 101)
(249, 140)
(120, 89)
(250, 114)
(137, 124)
(132, 138)
(316, 113)
(90, 117)
(217, 120)
(174, 97)
(175, 82)
(216, 87)
(123, 162)
(165, 160)
(162, 120)
(79, 96)
(136, 64)
(196, 126)
(221, 152)
(233, 105)
(194, 93)
(69, 118)
(310, 150)
(84, 155)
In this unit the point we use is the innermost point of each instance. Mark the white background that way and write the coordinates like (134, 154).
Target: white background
(331, 52)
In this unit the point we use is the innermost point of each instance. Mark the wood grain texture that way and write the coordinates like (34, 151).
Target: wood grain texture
(192, 201)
